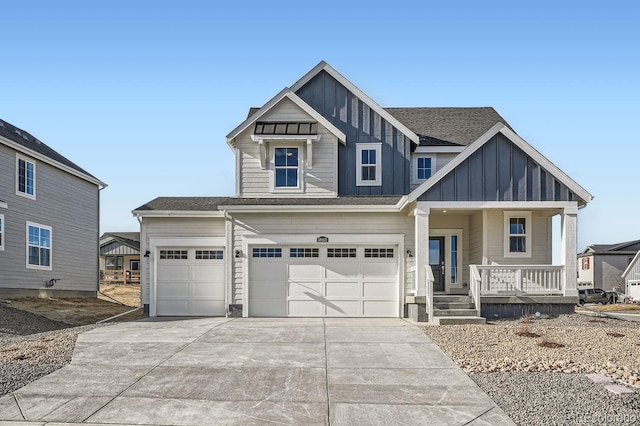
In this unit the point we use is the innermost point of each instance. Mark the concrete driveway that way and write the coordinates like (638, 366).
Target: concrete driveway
(256, 371)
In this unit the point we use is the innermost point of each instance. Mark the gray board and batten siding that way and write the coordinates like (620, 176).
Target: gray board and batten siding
(498, 171)
(117, 248)
(70, 206)
(361, 124)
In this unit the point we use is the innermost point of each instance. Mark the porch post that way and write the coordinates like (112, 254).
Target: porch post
(569, 250)
(422, 246)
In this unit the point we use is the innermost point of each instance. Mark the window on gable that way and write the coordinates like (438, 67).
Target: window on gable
(1, 232)
(368, 171)
(25, 177)
(423, 168)
(286, 168)
(517, 241)
(38, 246)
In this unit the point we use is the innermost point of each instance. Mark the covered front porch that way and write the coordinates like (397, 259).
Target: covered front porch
(495, 256)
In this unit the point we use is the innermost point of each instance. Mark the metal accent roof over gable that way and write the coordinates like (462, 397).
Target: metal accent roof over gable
(31, 144)
(285, 128)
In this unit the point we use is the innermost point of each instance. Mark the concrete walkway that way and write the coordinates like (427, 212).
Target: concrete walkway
(256, 371)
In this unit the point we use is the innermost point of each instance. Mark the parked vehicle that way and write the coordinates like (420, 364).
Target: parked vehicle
(593, 295)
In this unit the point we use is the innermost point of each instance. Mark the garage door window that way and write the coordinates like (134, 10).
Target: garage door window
(267, 252)
(341, 252)
(208, 254)
(304, 252)
(378, 253)
(174, 254)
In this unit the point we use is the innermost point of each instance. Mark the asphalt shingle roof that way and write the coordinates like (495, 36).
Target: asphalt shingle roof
(27, 140)
(212, 203)
(627, 247)
(131, 239)
(448, 126)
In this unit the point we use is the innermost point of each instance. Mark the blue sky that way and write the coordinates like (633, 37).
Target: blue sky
(142, 93)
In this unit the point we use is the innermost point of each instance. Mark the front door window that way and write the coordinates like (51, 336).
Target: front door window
(436, 261)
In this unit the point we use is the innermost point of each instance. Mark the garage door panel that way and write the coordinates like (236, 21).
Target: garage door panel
(173, 289)
(343, 289)
(208, 290)
(306, 308)
(343, 308)
(304, 289)
(379, 290)
(206, 307)
(202, 272)
(305, 271)
(173, 307)
(379, 308)
(268, 307)
(343, 269)
(380, 271)
(174, 272)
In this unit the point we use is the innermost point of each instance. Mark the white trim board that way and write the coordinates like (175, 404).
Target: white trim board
(520, 143)
(630, 267)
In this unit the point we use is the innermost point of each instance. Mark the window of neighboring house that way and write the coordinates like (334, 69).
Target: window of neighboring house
(134, 265)
(38, 246)
(585, 263)
(1, 232)
(368, 172)
(25, 177)
(113, 263)
(286, 168)
(424, 168)
(517, 241)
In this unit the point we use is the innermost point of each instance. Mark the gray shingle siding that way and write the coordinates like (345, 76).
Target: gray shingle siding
(360, 124)
(67, 204)
(498, 171)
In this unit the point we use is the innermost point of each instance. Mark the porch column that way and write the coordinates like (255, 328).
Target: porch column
(422, 246)
(569, 250)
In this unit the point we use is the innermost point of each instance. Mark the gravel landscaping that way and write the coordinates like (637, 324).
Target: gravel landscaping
(32, 346)
(544, 385)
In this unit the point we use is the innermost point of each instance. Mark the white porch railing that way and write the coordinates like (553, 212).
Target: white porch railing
(476, 284)
(519, 279)
(429, 291)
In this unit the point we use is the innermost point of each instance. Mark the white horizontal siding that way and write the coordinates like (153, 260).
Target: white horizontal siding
(540, 243)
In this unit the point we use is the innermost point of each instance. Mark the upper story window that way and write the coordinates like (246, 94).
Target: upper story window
(286, 168)
(1, 232)
(38, 246)
(517, 235)
(25, 177)
(424, 167)
(368, 172)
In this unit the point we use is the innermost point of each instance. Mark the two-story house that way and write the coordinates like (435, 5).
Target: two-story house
(346, 208)
(49, 220)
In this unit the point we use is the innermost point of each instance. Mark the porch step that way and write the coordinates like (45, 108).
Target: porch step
(451, 298)
(452, 305)
(458, 320)
(454, 312)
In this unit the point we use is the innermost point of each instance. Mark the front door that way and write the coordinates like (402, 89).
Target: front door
(436, 261)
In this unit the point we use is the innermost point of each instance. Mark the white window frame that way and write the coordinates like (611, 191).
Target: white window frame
(526, 215)
(272, 163)
(377, 147)
(18, 192)
(39, 226)
(414, 174)
(2, 233)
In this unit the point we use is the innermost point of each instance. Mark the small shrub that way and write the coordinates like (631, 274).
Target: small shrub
(615, 334)
(548, 343)
(596, 320)
(524, 330)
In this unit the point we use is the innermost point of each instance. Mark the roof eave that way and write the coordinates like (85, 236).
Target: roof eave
(177, 213)
(265, 208)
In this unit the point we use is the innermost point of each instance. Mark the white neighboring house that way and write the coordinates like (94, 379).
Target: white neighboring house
(631, 277)
(344, 208)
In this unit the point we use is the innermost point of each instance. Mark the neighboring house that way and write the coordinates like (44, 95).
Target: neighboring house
(601, 265)
(631, 277)
(120, 257)
(345, 208)
(49, 219)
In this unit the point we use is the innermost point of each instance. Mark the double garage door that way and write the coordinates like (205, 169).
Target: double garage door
(190, 281)
(323, 281)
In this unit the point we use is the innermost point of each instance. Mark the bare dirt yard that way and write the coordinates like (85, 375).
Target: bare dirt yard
(116, 299)
(615, 307)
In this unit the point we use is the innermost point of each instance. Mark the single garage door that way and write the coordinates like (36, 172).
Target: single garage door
(325, 281)
(190, 282)
(634, 289)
